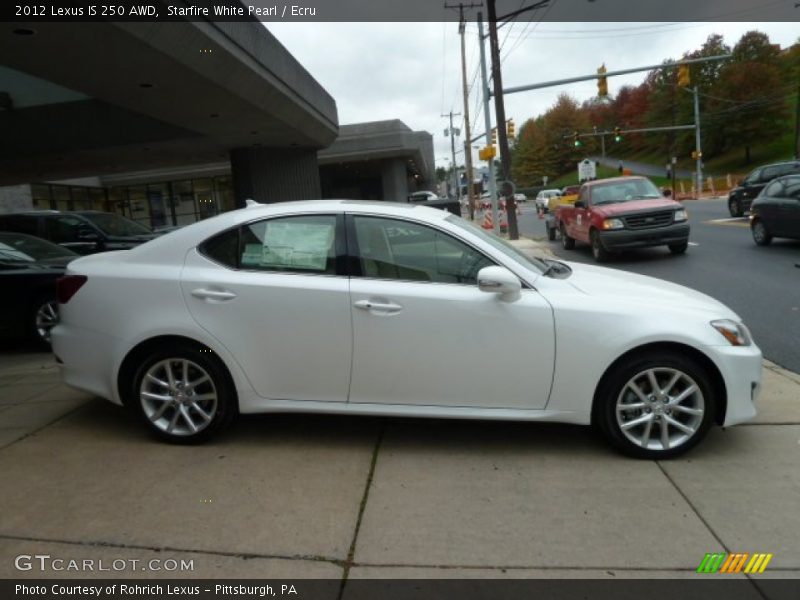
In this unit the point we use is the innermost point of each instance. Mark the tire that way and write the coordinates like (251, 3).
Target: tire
(655, 407)
(551, 233)
(566, 241)
(761, 236)
(735, 208)
(209, 403)
(598, 250)
(41, 320)
(678, 248)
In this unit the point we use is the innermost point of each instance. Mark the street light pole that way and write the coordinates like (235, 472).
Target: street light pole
(487, 121)
(451, 132)
(699, 164)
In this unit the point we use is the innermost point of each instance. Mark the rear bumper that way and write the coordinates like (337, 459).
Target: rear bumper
(618, 240)
(87, 361)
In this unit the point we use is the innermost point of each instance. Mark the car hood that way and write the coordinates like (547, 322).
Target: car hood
(635, 206)
(621, 286)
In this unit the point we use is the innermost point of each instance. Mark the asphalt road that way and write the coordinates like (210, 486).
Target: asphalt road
(761, 284)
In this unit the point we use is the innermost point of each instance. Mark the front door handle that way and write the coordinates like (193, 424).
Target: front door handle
(218, 295)
(378, 307)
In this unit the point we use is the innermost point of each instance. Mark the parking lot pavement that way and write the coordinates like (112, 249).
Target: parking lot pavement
(301, 496)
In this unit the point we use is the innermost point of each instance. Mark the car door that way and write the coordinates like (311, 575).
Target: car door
(770, 207)
(580, 227)
(789, 210)
(73, 233)
(424, 334)
(275, 294)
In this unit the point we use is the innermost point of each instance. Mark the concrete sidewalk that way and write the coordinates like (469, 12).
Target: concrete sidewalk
(285, 496)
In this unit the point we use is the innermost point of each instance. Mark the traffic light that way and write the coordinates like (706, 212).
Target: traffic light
(510, 129)
(602, 82)
(617, 134)
(576, 141)
(684, 78)
(494, 136)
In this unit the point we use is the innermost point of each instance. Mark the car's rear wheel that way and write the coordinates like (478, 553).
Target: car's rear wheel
(598, 250)
(735, 208)
(183, 393)
(43, 319)
(658, 406)
(566, 241)
(678, 248)
(551, 232)
(761, 236)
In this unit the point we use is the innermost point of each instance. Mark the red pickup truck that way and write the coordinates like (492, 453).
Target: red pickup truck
(620, 213)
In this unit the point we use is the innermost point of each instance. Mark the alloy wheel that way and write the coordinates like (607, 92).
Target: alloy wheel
(178, 396)
(45, 319)
(660, 409)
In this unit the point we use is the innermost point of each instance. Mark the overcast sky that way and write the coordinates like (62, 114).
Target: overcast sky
(412, 71)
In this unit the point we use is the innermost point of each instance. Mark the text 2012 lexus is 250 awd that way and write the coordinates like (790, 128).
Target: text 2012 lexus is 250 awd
(375, 308)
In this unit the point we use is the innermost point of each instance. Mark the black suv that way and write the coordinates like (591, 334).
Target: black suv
(741, 197)
(84, 232)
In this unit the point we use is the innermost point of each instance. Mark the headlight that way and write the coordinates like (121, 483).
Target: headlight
(736, 333)
(681, 215)
(613, 224)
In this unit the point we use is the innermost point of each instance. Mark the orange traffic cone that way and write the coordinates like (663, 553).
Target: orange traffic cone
(487, 220)
(540, 212)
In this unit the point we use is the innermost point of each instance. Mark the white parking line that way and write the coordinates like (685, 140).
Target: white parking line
(693, 244)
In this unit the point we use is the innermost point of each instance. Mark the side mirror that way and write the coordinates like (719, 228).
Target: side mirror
(667, 193)
(501, 281)
(580, 204)
(740, 182)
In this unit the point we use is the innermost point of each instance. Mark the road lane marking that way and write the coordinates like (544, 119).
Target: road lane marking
(731, 221)
(693, 244)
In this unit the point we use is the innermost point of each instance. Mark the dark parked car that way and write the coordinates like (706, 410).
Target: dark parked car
(776, 212)
(84, 232)
(29, 267)
(741, 197)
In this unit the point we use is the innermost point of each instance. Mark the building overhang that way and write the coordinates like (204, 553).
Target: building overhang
(148, 95)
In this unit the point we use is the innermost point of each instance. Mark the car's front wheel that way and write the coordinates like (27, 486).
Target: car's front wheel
(678, 248)
(657, 406)
(735, 208)
(598, 250)
(183, 393)
(566, 241)
(761, 236)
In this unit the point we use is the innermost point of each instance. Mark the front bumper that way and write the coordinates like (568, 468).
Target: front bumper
(662, 236)
(741, 369)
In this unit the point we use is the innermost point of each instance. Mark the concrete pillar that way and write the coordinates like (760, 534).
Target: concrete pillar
(394, 180)
(274, 175)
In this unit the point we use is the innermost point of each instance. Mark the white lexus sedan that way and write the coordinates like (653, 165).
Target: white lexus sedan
(374, 308)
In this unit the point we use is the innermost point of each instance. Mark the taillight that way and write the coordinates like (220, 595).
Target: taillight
(67, 286)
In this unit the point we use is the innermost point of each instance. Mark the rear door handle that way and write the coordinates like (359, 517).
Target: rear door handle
(218, 295)
(378, 307)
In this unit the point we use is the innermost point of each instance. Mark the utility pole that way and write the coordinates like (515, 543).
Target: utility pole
(487, 121)
(452, 133)
(467, 135)
(797, 126)
(699, 164)
(500, 110)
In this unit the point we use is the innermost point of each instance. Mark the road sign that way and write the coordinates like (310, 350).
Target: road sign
(587, 170)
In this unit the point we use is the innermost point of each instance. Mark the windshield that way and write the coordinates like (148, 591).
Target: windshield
(499, 244)
(17, 247)
(624, 191)
(112, 224)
